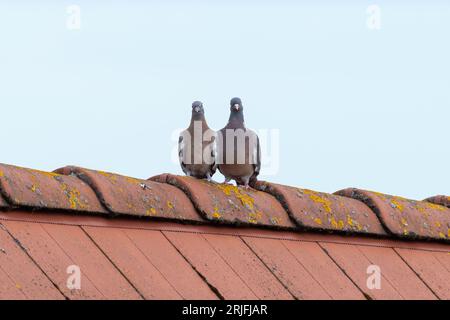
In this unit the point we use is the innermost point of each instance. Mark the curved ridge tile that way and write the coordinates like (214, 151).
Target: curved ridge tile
(23, 187)
(136, 197)
(3, 203)
(228, 204)
(440, 200)
(406, 218)
(323, 211)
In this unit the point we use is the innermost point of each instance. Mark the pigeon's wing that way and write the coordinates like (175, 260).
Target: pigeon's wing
(256, 153)
(213, 147)
(181, 151)
(220, 152)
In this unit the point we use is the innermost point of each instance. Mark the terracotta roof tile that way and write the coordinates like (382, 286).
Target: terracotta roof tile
(323, 211)
(229, 204)
(23, 187)
(441, 200)
(404, 217)
(131, 196)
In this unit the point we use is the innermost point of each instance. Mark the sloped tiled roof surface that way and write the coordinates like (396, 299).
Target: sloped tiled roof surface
(173, 237)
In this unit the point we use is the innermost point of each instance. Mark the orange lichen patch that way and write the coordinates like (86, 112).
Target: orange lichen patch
(43, 173)
(245, 199)
(133, 180)
(73, 195)
(397, 205)
(316, 197)
(216, 214)
(334, 224)
(108, 175)
(151, 211)
(1, 174)
(318, 221)
(169, 204)
(435, 206)
(350, 220)
(254, 217)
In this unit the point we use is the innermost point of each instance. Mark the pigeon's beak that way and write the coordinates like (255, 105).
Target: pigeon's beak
(236, 107)
(197, 109)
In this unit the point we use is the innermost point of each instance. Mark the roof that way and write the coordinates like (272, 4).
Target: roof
(173, 237)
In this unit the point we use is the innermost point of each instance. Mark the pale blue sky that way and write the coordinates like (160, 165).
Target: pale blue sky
(355, 107)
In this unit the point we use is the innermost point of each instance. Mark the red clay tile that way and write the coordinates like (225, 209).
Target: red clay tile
(213, 268)
(130, 196)
(323, 211)
(431, 269)
(138, 269)
(175, 269)
(23, 274)
(248, 266)
(93, 262)
(441, 200)
(52, 258)
(44, 190)
(398, 273)
(406, 218)
(228, 204)
(351, 260)
(305, 269)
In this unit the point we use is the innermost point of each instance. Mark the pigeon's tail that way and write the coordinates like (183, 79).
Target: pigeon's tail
(253, 181)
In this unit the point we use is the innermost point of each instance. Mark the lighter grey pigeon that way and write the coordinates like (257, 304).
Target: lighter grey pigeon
(238, 149)
(196, 146)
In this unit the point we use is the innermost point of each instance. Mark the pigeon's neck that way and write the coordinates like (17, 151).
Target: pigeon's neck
(236, 120)
(198, 117)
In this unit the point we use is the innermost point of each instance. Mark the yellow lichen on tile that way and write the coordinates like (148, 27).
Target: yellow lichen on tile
(441, 235)
(334, 223)
(318, 221)
(73, 197)
(151, 211)
(315, 196)
(397, 205)
(110, 176)
(245, 199)
(435, 206)
(349, 220)
(170, 204)
(216, 214)
(44, 173)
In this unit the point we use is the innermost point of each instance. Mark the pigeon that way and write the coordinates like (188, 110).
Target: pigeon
(245, 165)
(196, 146)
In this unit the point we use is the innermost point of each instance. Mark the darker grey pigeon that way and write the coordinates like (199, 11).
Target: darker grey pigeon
(238, 148)
(196, 146)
